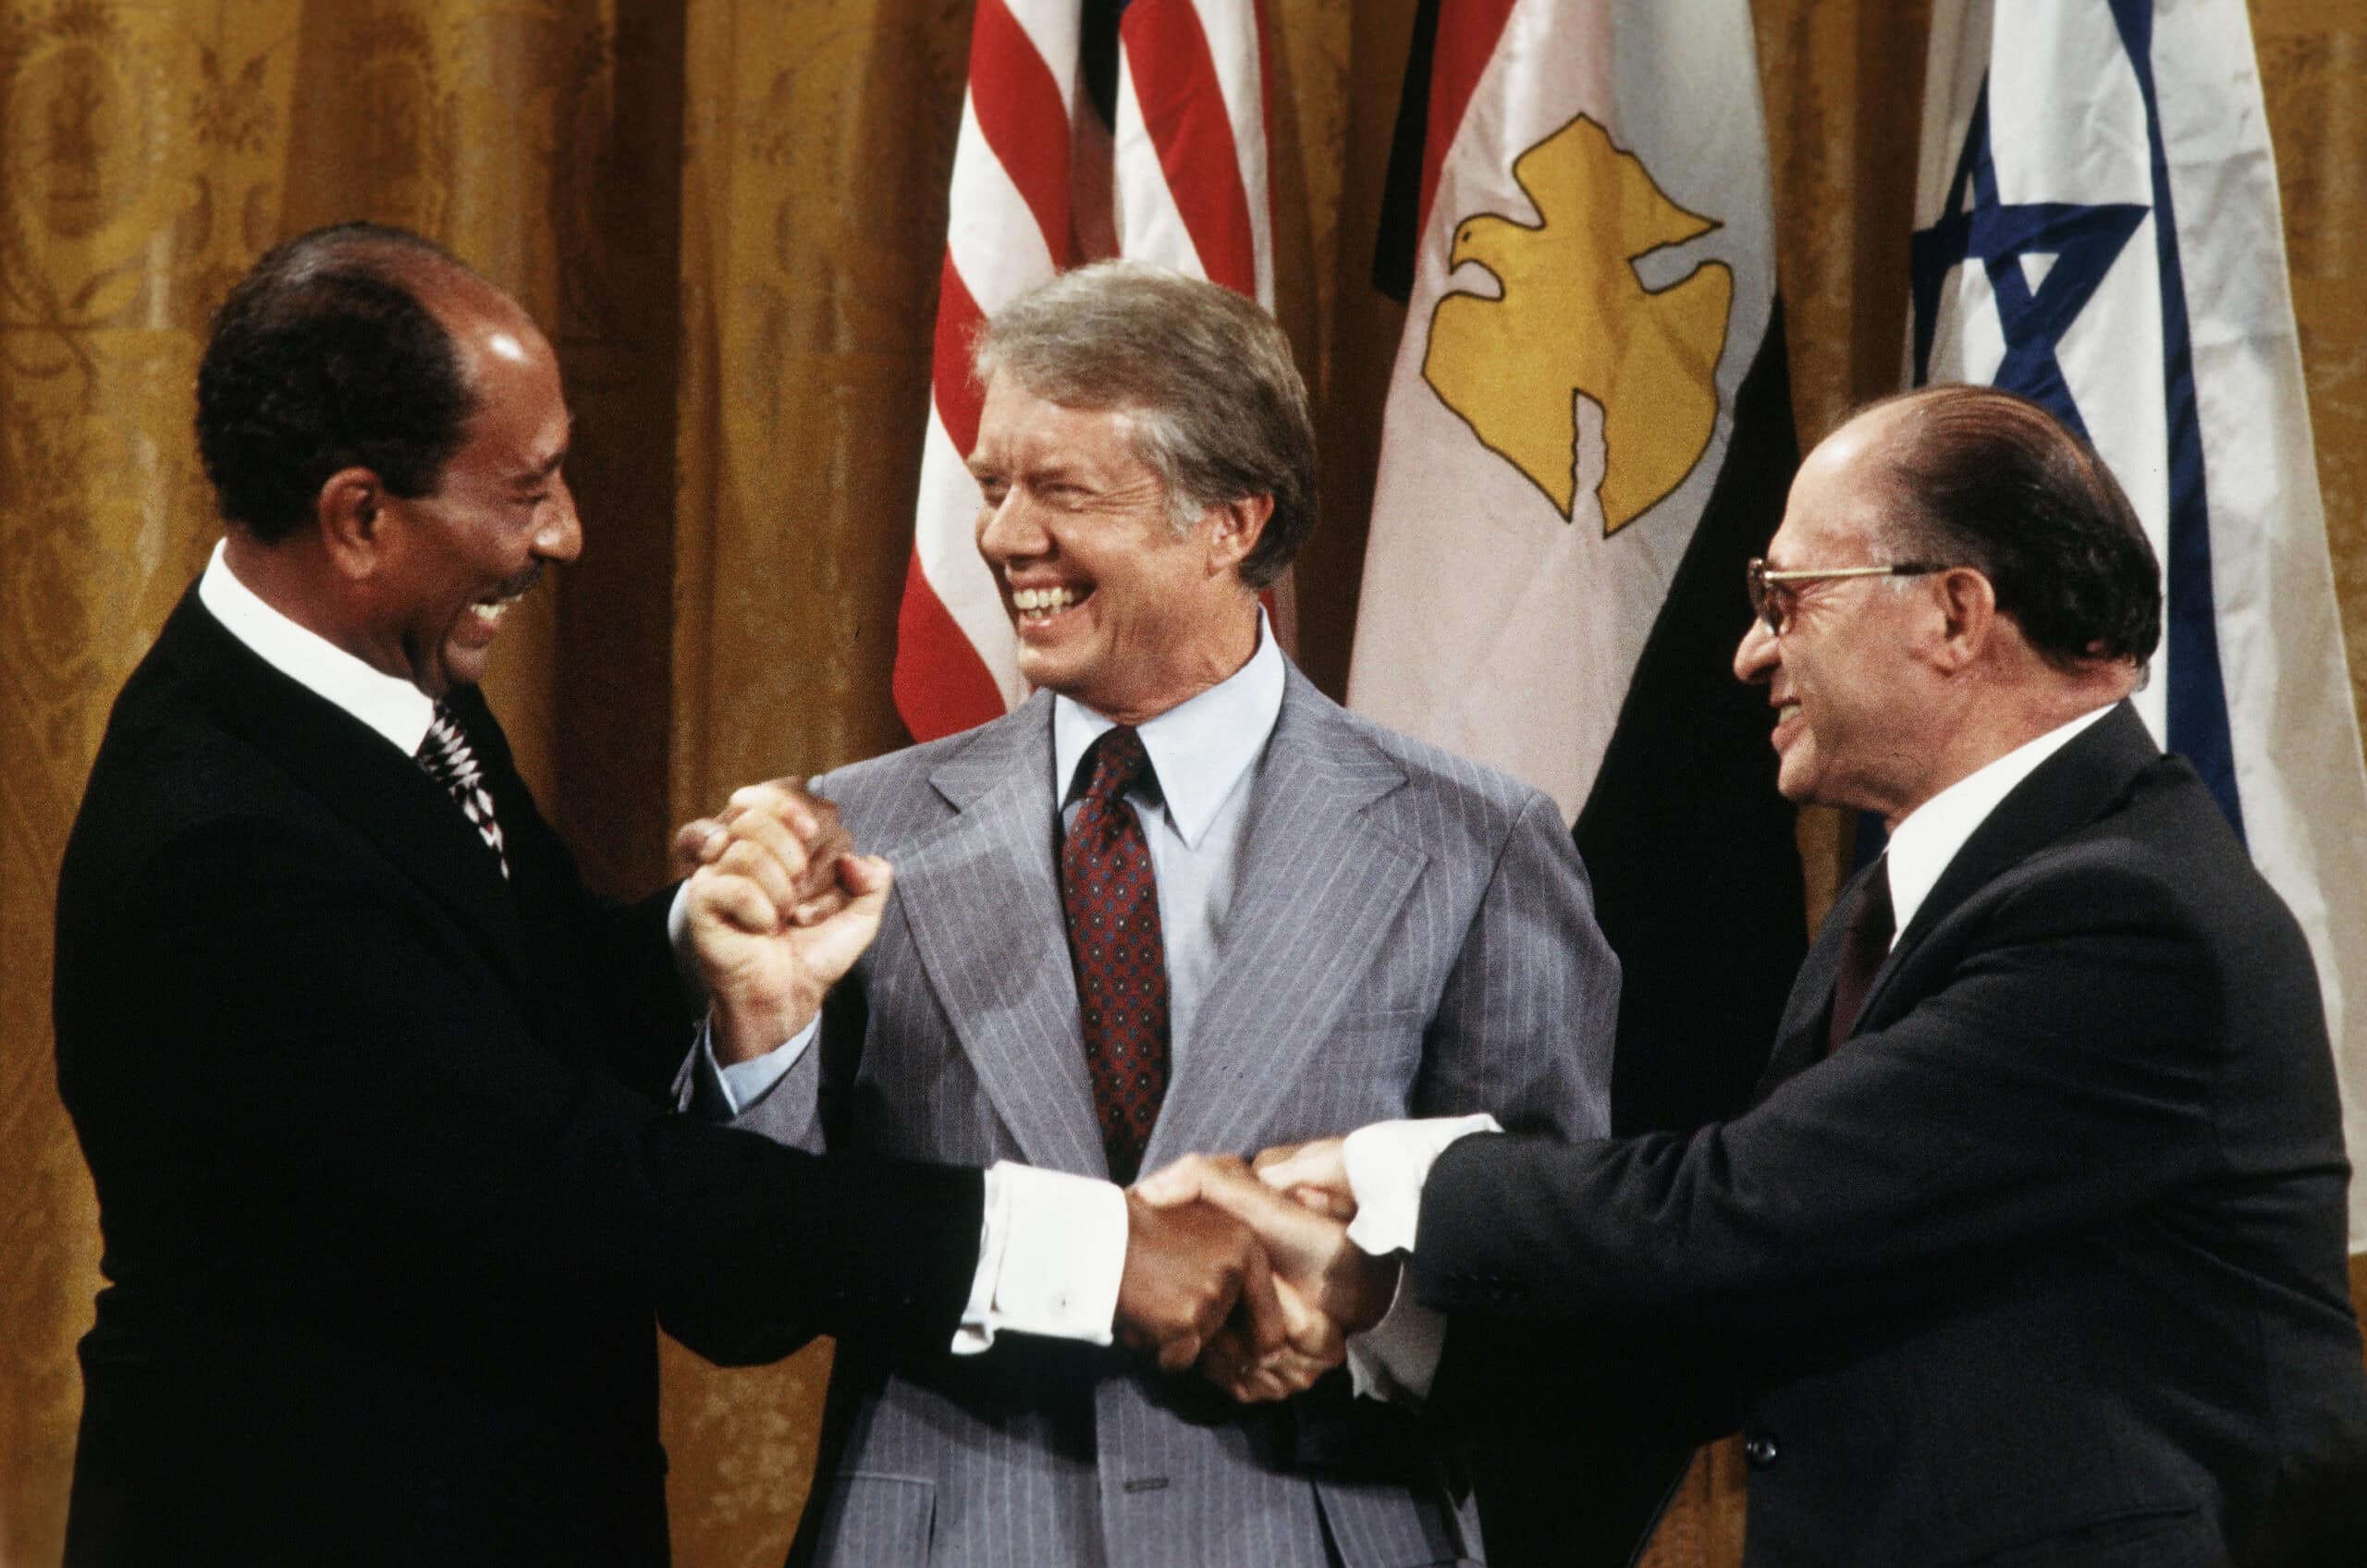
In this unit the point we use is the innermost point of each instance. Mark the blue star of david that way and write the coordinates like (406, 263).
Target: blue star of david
(2084, 242)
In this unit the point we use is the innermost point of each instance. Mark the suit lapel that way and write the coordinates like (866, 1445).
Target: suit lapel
(982, 897)
(1799, 1036)
(1319, 884)
(2068, 790)
(381, 795)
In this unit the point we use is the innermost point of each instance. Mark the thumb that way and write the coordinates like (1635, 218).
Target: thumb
(866, 876)
(698, 841)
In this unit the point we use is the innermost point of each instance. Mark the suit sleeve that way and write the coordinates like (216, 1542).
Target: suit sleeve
(789, 1114)
(2056, 1077)
(283, 1004)
(1525, 1025)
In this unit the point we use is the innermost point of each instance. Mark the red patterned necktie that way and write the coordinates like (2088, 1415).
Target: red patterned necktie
(1865, 942)
(1112, 902)
(447, 756)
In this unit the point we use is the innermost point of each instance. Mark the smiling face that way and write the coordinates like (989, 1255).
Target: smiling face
(1109, 604)
(1853, 700)
(457, 558)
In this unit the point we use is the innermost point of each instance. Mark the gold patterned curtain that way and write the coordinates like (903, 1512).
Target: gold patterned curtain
(730, 215)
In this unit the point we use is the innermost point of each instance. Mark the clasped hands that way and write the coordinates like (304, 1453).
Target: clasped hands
(1243, 1270)
(1247, 1269)
(779, 906)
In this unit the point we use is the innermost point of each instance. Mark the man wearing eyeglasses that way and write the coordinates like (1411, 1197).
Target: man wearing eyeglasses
(2032, 1248)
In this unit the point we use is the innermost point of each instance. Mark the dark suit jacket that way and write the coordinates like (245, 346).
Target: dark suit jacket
(387, 1190)
(2045, 1264)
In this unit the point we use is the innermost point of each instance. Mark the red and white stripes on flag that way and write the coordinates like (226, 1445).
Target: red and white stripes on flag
(1167, 163)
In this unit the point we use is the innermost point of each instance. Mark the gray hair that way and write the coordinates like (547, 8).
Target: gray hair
(1218, 410)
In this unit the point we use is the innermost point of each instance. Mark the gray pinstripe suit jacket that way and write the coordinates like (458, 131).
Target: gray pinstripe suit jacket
(1410, 935)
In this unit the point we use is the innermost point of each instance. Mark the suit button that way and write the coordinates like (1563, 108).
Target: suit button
(1759, 1451)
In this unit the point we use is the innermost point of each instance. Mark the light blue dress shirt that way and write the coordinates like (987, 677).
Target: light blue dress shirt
(1205, 753)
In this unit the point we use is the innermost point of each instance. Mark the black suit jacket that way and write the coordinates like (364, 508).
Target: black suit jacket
(387, 1193)
(2044, 1264)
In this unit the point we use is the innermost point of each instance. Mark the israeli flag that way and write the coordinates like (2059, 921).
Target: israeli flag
(2097, 228)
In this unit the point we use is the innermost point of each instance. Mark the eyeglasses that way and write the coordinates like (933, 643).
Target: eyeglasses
(1771, 597)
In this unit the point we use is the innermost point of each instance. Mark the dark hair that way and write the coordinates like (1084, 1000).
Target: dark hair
(1987, 479)
(324, 359)
(1220, 410)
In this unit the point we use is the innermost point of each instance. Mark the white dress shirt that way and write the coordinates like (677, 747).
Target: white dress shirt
(387, 703)
(1930, 835)
(1054, 1247)
(1388, 1162)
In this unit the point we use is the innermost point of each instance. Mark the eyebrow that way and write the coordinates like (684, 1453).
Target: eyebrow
(551, 465)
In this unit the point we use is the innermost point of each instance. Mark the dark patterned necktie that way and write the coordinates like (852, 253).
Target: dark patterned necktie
(1112, 902)
(1865, 942)
(447, 756)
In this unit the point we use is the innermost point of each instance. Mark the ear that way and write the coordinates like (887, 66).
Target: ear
(1238, 527)
(1968, 618)
(351, 511)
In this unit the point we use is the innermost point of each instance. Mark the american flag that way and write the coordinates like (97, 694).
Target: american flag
(1122, 127)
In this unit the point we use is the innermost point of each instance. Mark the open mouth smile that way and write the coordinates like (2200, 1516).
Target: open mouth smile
(494, 606)
(1037, 605)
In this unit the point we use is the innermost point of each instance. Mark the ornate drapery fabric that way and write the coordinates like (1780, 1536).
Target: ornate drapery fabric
(729, 216)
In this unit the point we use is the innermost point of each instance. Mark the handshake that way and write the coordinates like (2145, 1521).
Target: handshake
(1247, 1269)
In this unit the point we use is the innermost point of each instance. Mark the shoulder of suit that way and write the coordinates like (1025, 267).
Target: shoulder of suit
(867, 786)
(176, 800)
(2164, 859)
(1433, 770)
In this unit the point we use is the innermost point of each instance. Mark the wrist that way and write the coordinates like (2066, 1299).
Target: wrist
(1360, 1288)
(744, 1028)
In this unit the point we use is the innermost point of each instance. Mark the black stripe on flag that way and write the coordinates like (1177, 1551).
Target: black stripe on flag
(1696, 868)
(1400, 195)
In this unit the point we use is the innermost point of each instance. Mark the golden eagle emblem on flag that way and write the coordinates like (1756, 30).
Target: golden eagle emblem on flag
(1574, 320)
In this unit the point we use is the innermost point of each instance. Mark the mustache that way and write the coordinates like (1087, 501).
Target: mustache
(521, 583)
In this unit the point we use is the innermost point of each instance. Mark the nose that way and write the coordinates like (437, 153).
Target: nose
(1758, 653)
(1009, 529)
(559, 535)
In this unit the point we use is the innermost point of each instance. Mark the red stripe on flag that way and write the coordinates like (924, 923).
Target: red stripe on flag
(1184, 109)
(941, 685)
(958, 398)
(1019, 110)
(1469, 31)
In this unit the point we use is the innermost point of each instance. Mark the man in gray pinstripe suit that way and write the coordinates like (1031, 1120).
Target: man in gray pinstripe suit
(1354, 926)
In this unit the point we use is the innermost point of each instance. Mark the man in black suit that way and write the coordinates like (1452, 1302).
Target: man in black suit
(2031, 1249)
(370, 1083)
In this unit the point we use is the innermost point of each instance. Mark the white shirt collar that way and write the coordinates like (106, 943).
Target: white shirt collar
(392, 707)
(1922, 845)
(1199, 749)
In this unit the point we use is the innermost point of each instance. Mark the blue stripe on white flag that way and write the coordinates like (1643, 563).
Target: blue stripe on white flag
(2082, 241)
(2198, 693)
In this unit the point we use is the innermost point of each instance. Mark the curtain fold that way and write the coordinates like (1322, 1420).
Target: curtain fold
(728, 215)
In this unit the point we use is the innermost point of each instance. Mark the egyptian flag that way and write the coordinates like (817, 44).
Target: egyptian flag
(2097, 228)
(1588, 433)
(1091, 128)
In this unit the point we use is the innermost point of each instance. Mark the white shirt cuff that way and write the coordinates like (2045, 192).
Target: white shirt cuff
(1387, 1163)
(678, 933)
(1050, 1255)
(1397, 1358)
(723, 1093)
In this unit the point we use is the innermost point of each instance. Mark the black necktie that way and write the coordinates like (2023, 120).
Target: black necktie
(1865, 942)
(447, 756)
